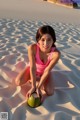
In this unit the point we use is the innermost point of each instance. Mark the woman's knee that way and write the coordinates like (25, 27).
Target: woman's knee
(50, 93)
(17, 82)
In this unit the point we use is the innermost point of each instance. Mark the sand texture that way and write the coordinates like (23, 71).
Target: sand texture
(19, 21)
(15, 36)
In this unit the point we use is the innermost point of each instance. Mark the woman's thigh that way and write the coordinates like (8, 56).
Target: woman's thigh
(26, 74)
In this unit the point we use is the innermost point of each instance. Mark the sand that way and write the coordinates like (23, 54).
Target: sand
(38, 10)
(15, 35)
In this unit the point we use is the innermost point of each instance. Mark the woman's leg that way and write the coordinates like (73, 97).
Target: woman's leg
(23, 76)
(49, 85)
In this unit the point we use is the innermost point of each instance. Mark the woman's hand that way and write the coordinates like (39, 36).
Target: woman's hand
(32, 90)
(39, 93)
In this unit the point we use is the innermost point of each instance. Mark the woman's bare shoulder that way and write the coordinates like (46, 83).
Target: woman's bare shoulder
(32, 48)
(56, 52)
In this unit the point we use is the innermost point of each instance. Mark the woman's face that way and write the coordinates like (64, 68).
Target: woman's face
(45, 43)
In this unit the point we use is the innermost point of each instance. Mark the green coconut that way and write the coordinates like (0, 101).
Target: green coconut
(34, 100)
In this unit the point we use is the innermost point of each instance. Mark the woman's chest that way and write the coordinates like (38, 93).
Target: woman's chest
(44, 57)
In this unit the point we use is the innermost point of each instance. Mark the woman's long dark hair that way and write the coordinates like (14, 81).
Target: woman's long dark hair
(46, 29)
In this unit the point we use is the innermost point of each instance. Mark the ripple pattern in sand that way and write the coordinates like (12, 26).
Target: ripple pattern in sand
(15, 36)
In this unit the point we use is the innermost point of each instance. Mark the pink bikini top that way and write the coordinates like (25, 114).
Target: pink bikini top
(40, 66)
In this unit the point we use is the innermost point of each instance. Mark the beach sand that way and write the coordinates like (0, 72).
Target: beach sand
(38, 10)
(15, 36)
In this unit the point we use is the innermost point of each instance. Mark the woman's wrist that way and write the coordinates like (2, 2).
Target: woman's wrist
(38, 86)
(33, 86)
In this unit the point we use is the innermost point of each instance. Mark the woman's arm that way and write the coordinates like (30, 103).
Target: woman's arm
(54, 60)
(31, 55)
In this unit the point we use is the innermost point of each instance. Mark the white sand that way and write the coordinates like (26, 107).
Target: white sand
(38, 10)
(15, 36)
